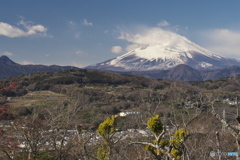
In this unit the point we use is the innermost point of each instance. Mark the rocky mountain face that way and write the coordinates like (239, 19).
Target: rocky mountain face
(171, 50)
(8, 68)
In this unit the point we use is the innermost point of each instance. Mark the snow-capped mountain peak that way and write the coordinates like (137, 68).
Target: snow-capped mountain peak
(164, 51)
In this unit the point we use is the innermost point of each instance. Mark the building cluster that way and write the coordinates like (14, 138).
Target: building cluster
(125, 114)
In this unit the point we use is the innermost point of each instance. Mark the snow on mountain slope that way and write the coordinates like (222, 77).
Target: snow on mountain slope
(162, 51)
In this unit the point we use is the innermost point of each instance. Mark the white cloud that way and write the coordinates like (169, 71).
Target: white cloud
(176, 27)
(132, 47)
(77, 34)
(106, 32)
(71, 23)
(11, 31)
(74, 29)
(81, 53)
(149, 36)
(163, 23)
(28, 30)
(25, 62)
(7, 53)
(86, 23)
(223, 41)
(116, 49)
(77, 64)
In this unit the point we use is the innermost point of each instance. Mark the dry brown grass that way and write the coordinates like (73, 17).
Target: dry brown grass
(37, 98)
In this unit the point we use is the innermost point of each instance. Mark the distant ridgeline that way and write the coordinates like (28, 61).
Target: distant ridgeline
(8, 68)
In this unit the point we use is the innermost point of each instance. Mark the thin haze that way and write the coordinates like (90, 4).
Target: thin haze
(81, 33)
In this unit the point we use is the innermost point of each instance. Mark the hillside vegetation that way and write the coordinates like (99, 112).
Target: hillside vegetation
(95, 95)
(110, 93)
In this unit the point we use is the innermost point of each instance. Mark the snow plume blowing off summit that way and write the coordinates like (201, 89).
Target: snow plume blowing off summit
(158, 49)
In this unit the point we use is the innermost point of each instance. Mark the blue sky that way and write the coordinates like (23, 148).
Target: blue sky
(84, 32)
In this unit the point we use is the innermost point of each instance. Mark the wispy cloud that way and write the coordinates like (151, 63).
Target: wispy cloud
(116, 49)
(28, 29)
(7, 54)
(176, 28)
(77, 34)
(173, 27)
(81, 53)
(75, 29)
(149, 36)
(71, 23)
(105, 31)
(86, 23)
(163, 23)
(26, 62)
(77, 64)
(223, 41)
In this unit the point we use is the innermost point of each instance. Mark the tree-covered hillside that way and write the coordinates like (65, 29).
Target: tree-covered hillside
(78, 101)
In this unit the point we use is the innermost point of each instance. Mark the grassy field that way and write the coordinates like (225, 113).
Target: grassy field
(36, 98)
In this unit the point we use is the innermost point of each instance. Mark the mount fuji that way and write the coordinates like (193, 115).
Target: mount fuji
(165, 52)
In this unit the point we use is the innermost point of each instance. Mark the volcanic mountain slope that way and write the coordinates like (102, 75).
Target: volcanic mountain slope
(180, 72)
(171, 50)
(8, 68)
(186, 73)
